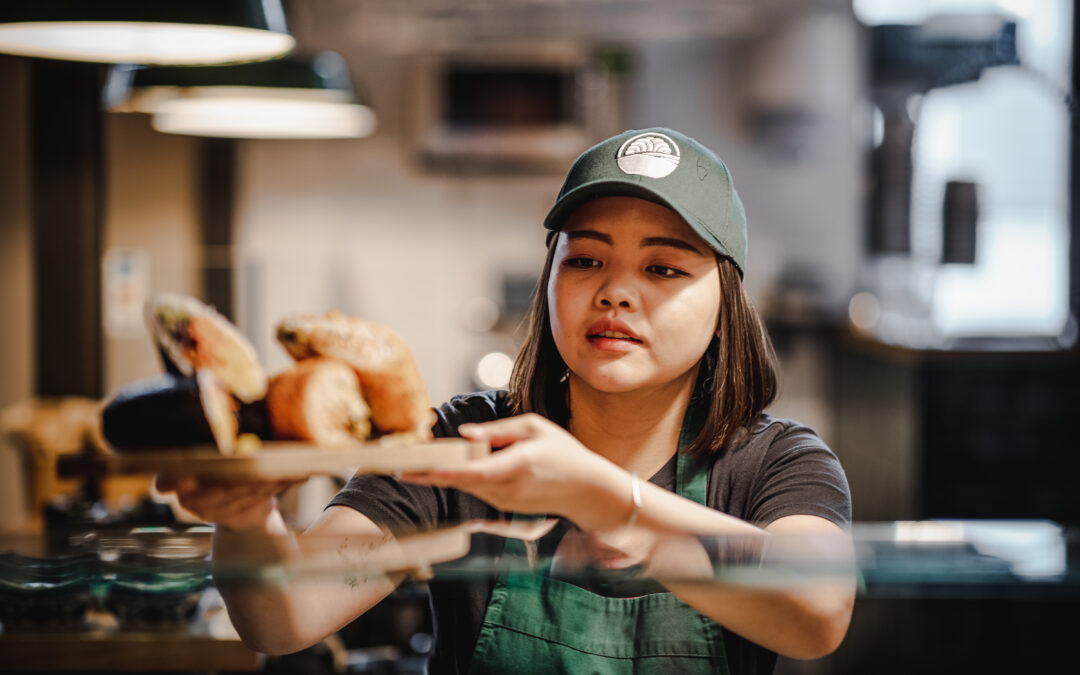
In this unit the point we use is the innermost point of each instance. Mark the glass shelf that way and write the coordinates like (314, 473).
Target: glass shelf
(77, 599)
(154, 569)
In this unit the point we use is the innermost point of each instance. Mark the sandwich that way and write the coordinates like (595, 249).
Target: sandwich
(200, 344)
(194, 336)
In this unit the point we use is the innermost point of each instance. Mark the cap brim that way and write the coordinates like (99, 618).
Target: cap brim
(613, 187)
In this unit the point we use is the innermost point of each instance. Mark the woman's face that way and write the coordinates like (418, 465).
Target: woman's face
(634, 295)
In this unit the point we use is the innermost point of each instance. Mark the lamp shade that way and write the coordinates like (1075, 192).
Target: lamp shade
(291, 97)
(177, 32)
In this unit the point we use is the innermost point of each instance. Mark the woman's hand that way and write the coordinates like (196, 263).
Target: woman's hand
(542, 469)
(235, 506)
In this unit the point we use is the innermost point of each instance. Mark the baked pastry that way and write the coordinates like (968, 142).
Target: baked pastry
(193, 336)
(390, 380)
(318, 400)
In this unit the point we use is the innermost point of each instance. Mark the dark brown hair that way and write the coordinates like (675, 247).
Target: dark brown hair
(737, 378)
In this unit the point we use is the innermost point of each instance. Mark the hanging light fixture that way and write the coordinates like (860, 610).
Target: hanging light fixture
(291, 97)
(176, 32)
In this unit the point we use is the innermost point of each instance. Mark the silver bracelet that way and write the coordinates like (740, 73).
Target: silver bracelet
(635, 497)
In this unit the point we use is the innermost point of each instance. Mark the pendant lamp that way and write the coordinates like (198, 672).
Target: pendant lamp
(174, 32)
(291, 97)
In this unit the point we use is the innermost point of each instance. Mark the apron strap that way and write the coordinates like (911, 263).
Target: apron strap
(691, 473)
(692, 477)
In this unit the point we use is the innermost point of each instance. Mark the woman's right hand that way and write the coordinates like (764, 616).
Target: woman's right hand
(231, 505)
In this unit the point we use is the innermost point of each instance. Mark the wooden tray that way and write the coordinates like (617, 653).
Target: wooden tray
(277, 459)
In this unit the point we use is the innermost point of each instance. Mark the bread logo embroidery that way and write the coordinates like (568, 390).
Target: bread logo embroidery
(649, 154)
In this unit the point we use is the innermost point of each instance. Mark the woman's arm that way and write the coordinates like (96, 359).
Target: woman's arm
(546, 470)
(289, 613)
(803, 618)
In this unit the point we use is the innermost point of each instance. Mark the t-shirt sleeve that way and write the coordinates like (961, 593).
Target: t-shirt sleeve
(391, 504)
(799, 475)
(394, 505)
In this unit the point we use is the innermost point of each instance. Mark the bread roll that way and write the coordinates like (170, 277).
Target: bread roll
(318, 400)
(389, 377)
(193, 336)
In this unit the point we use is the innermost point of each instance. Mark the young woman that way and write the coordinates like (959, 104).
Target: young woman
(645, 359)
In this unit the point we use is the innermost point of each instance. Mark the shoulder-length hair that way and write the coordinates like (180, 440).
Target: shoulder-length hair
(737, 378)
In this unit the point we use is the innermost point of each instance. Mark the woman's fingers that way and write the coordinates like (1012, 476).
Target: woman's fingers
(245, 509)
(223, 496)
(540, 472)
(192, 484)
(493, 468)
(165, 483)
(221, 501)
(503, 432)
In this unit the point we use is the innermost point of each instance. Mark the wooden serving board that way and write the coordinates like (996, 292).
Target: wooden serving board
(278, 459)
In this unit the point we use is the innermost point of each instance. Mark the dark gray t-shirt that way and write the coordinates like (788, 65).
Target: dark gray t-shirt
(781, 469)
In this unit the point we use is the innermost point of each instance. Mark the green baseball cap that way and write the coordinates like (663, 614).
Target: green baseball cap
(666, 167)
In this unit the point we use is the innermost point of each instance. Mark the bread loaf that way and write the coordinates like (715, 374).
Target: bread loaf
(317, 400)
(390, 380)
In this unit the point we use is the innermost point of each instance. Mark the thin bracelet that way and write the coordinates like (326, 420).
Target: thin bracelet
(635, 497)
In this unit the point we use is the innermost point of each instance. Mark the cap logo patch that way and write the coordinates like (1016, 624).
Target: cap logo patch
(649, 154)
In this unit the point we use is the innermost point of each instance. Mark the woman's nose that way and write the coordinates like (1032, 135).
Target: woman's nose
(616, 291)
(609, 303)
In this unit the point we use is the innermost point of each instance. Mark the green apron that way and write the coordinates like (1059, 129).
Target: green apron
(536, 624)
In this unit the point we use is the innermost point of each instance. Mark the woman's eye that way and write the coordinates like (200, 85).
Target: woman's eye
(581, 262)
(665, 271)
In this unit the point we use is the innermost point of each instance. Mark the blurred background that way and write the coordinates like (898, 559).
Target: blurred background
(906, 167)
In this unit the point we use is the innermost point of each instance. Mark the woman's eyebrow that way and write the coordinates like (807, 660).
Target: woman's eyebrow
(589, 234)
(672, 242)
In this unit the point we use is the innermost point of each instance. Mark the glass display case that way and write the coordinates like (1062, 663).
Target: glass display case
(113, 597)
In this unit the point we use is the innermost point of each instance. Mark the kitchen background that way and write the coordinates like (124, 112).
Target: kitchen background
(908, 191)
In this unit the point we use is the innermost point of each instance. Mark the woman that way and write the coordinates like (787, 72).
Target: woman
(644, 358)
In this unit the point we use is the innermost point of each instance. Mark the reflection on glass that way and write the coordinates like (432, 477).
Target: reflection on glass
(172, 569)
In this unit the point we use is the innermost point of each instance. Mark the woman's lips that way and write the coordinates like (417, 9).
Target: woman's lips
(606, 344)
(612, 336)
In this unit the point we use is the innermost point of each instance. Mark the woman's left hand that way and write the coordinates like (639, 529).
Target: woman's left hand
(542, 469)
